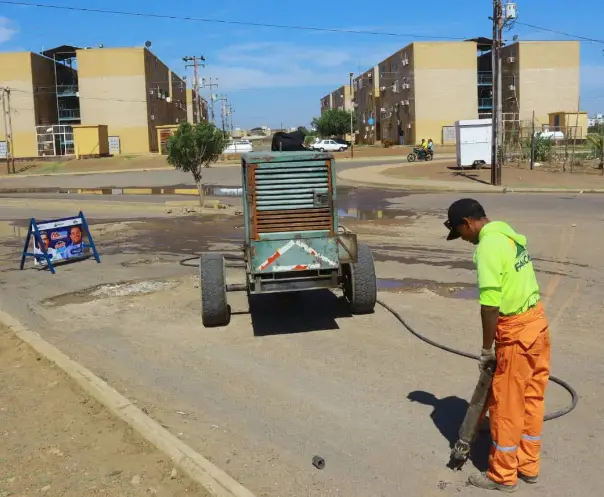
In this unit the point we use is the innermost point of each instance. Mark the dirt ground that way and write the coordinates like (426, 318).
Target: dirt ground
(512, 175)
(56, 441)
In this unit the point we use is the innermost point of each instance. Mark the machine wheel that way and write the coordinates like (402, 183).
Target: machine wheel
(411, 158)
(215, 310)
(360, 286)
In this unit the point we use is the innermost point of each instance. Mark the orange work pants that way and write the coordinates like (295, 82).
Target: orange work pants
(516, 406)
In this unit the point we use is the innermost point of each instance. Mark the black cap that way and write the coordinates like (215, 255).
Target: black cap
(460, 209)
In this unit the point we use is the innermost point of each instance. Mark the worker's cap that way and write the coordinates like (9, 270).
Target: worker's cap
(460, 209)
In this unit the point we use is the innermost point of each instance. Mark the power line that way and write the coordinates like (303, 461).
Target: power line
(558, 32)
(224, 21)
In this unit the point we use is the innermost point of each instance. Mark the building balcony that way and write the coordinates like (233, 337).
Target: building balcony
(67, 90)
(485, 103)
(485, 78)
(69, 114)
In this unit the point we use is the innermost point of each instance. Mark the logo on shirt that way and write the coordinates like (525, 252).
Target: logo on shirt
(522, 257)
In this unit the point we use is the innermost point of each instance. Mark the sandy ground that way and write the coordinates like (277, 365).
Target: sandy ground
(512, 176)
(58, 442)
(293, 377)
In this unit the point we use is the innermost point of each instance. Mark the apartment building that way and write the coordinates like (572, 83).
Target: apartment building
(366, 102)
(337, 99)
(540, 77)
(425, 87)
(127, 89)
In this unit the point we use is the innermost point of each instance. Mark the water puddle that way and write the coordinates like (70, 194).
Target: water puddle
(450, 290)
(124, 289)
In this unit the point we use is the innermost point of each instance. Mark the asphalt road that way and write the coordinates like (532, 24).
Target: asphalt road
(299, 377)
(227, 176)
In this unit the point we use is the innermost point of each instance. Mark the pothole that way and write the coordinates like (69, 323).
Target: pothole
(111, 290)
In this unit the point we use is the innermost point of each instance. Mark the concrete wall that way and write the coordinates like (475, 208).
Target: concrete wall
(91, 140)
(113, 91)
(545, 75)
(445, 83)
(16, 73)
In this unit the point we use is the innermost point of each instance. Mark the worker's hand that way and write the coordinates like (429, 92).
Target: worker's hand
(486, 356)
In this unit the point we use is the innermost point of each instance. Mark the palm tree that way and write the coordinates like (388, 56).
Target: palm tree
(597, 143)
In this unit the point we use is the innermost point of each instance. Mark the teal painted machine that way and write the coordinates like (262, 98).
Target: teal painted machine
(293, 240)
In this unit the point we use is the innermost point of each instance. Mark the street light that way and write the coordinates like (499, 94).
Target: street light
(351, 118)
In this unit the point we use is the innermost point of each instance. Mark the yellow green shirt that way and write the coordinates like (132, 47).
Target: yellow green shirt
(506, 278)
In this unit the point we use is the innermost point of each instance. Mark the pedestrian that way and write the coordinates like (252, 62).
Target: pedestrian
(514, 321)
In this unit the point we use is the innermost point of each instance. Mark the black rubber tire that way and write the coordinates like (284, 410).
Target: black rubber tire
(411, 158)
(321, 150)
(341, 149)
(360, 285)
(215, 310)
(429, 157)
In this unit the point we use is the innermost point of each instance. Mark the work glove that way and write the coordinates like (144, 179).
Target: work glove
(487, 356)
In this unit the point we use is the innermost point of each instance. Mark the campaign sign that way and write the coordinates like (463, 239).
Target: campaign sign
(59, 240)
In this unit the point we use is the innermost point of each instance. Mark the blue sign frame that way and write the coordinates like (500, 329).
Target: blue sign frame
(43, 256)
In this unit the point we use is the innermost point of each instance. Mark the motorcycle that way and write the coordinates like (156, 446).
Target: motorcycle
(420, 154)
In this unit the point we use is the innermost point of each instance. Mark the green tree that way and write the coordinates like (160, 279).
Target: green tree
(192, 148)
(334, 122)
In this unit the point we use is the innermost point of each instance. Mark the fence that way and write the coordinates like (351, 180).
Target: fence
(552, 144)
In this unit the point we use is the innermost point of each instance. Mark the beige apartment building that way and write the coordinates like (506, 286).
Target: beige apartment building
(337, 99)
(426, 86)
(366, 102)
(540, 77)
(129, 90)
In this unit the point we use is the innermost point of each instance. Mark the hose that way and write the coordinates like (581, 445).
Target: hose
(549, 416)
(558, 381)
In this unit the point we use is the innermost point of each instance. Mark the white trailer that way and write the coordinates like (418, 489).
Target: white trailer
(473, 138)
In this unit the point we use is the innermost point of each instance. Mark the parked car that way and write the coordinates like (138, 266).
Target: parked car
(329, 146)
(341, 141)
(239, 147)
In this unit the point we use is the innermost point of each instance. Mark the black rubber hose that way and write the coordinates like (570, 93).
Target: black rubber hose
(558, 381)
(417, 334)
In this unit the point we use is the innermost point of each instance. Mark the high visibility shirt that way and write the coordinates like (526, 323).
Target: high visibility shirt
(506, 277)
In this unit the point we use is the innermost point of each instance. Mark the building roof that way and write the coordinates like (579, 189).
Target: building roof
(61, 53)
(483, 43)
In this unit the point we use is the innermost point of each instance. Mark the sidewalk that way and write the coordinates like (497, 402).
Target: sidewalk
(56, 441)
(444, 176)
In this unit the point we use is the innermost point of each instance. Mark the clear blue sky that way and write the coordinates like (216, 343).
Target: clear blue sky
(277, 76)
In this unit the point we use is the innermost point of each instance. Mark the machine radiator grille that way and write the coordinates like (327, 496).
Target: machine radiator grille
(292, 197)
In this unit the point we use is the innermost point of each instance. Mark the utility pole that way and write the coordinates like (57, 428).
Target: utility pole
(497, 91)
(211, 86)
(195, 64)
(8, 131)
(351, 118)
(223, 99)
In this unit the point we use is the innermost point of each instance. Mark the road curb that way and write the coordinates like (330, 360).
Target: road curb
(215, 481)
(427, 186)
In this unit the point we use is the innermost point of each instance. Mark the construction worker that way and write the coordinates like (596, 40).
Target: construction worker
(513, 320)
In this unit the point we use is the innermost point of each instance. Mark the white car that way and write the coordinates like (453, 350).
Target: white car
(239, 147)
(329, 146)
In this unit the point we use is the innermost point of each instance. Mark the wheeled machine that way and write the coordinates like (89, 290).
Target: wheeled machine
(293, 240)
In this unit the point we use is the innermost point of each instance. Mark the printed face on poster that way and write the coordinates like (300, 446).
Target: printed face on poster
(63, 240)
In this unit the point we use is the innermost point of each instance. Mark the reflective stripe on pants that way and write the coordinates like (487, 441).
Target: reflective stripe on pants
(517, 407)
